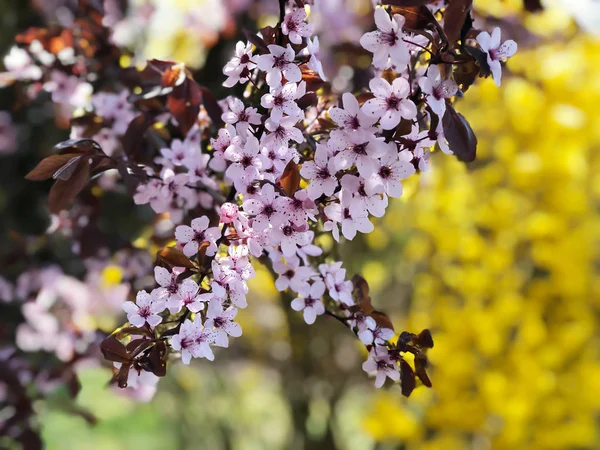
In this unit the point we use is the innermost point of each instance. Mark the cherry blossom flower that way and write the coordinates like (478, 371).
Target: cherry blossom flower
(361, 150)
(21, 66)
(380, 362)
(228, 212)
(437, 90)
(145, 309)
(386, 43)
(352, 217)
(282, 100)
(198, 233)
(301, 208)
(225, 137)
(375, 334)
(496, 52)
(68, 90)
(314, 61)
(291, 274)
(279, 63)
(222, 324)
(281, 132)
(355, 186)
(176, 153)
(294, 25)
(321, 173)
(310, 301)
(390, 169)
(167, 281)
(268, 209)
(186, 296)
(339, 288)
(193, 341)
(239, 67)
(390, 103)
(351, 117)
(240, 116)
(289, 236)
(246, 161)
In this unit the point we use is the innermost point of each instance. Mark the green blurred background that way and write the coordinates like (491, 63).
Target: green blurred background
(500, 259)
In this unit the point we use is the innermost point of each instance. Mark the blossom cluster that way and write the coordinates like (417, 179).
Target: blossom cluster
(261, 176)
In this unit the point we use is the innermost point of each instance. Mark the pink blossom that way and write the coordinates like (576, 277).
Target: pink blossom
(289, 236)
(186, 296)
(198, 233)
(145, 309)
(351, 117)
(222, 324)
(390, 103)
(496, 52)
(310, 301)
(240, 116)
(291, 274)
(380, 362)
(387, 42)
(282, 99)
(314, 61)
(193, 341)
(437, 90)
(294, 25)
(239, 67)
(279, 63)
(268, 209)
(321, 173)
(389, 170)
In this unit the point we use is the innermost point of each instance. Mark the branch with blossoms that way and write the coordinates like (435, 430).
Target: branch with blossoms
(272, 169)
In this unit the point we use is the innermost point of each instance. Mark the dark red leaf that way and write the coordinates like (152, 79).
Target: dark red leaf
(533, 5)
(454, 18)
(416, 17)
(84, 145)
(460, 136)
(407, 378)
(133, 140)
(184, 104)
(290, 179)
(114, 351)
(156, 361)
(212, 107)
(420, 369)
(423, 339)
(64, 191)
(257, 41)
(47, 167)
(174, 257)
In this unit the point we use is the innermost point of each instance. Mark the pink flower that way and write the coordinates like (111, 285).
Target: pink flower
(195, 235)
(361, 149)
(268, 209)
(291, 274)
(246, 161)
(386, 43)
(218, 163)
(167, 281)
(239, 67)
(279, 63)
(375, 334)
(193, 341)
(355, 186)
(294, 25)
(380, 362)
(321, 173)
(177, 153)
(389, 170)
(352, 216)
(310, 301)
(228, 212)
(289, 236)
(222, 324)
(301, 208)
(437, 90)
(240, 116)
(281, 132)
(390, 103)
(351, 118)
(145, 309)
(496, 52)
(339, 288)
(186, 296)
(282, 99)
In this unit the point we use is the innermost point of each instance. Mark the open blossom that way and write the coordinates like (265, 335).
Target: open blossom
(390, 104)
(176, 153)
(380, 362)
(186, 296)
(351, 215)
(282, 100)
(310, 302)
(239, 67)
(240, 116)
(355, 187)
(289, 236)
(268, 209)
(21, 66)
(195, 235)
(386, 43)
(167, 281)
(375, 334)
(221, 323)
(294, 25)
(360, 149)
(496, 52)
(145, 309)
(351, 117)
(291, 274)
(390, 169)
(437, 90)
(339, 288)
(279, 63)
(321, 173)
(280, 133)
(246, 161)
(193, 341)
